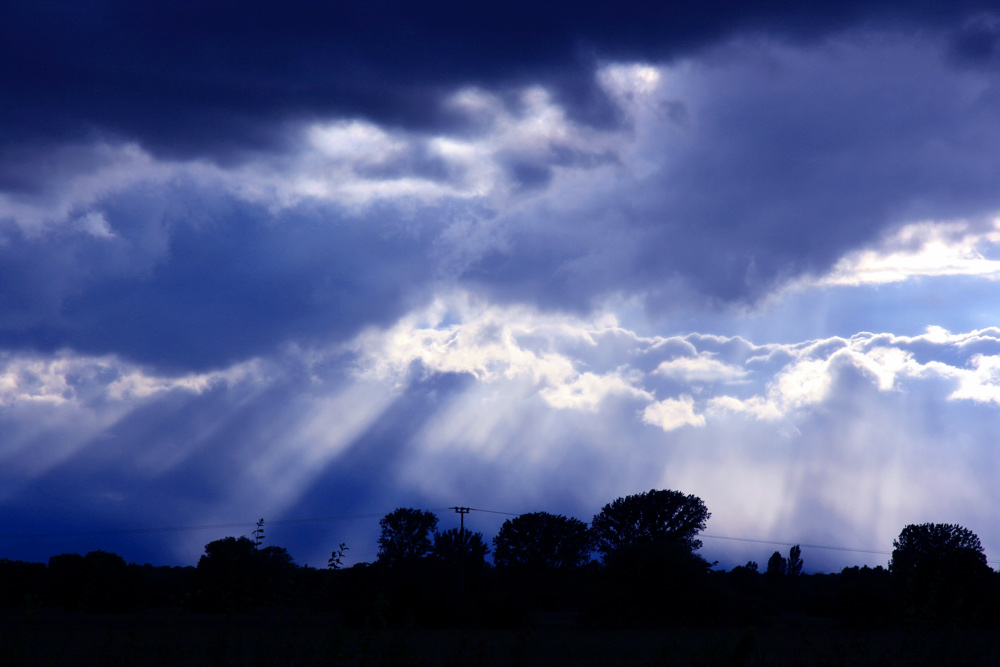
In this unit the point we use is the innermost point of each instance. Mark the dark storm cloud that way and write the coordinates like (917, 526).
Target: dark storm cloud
(205, 282)
(787, 159)
(977, 42)
(220, 78)
(781, 167)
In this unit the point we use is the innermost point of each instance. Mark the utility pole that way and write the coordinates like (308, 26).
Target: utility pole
(461, 511)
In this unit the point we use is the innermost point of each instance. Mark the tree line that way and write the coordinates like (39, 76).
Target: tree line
(634, 565)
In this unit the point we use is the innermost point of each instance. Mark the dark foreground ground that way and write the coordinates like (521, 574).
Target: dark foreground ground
(45, 637)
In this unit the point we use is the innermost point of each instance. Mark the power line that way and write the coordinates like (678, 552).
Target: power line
(124, 531)
(475, 509)
(327, 518)
(176, 529)
(800, 544)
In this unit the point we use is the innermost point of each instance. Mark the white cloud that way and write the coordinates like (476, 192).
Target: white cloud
(484, 344)
(133, 383)
(67, 377)
(802, 384)
(756, 406)
(587, 390)
(981, 383)
(36, 380)
(918, 250)
(554, 356)
(95, 224)
(702, 369)
(673, 413)
(492, 344)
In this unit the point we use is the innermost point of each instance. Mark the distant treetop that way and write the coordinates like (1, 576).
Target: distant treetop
(406, 535)
(654, 516)
(930, 546)
(542, 541)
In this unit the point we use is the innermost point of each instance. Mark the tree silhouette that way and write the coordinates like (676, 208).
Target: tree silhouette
(406, 535)
(776, 566)
(935, 545)
(542, 541)
(99, 581)
(794, 561)
(454, 547)
(227, 554)
(235, 573)
(745, 576)
(655, 516)
(226, 573)
(940, 572)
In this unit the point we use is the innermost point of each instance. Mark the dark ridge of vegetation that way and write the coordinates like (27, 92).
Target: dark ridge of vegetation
(543, 588)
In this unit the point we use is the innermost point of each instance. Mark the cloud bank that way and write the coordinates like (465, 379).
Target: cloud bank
(318, 261)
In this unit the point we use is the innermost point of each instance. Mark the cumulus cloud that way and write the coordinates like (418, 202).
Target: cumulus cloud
(700, 369)
(587, 390)
(774, 381)
(980, 383)
(672, 413)
(518, 410)
(495, 343)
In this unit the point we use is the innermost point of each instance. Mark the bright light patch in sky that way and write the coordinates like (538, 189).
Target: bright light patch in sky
(921, 249)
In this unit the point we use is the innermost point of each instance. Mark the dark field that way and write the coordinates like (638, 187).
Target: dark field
(45, 637)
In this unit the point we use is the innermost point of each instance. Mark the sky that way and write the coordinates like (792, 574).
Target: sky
(317, 260)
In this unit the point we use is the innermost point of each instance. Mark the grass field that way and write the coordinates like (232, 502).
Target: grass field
(44, 637)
